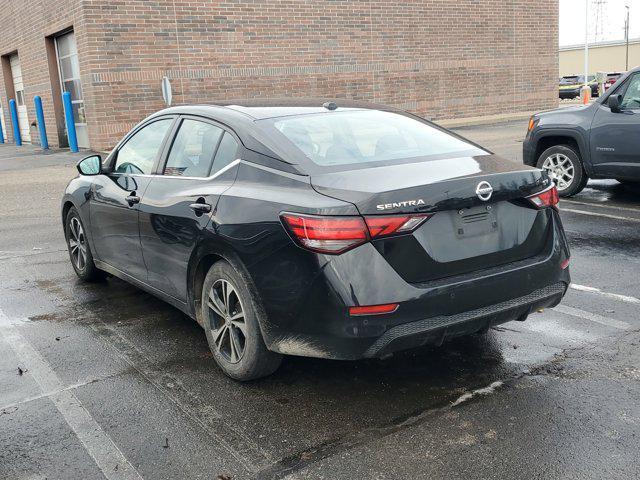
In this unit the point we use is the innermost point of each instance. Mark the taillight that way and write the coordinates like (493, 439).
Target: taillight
(546, 198)
(334, 234)
(326, 234)
(380, 226)
(373, 309)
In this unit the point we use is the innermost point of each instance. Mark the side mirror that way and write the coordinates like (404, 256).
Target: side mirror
(90, 165)
(614, 102)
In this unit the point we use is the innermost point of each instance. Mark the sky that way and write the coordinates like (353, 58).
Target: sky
(606, 20)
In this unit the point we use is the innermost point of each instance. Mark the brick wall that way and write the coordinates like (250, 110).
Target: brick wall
(438, 58)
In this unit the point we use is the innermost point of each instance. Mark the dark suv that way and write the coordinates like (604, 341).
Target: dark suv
(601, 140)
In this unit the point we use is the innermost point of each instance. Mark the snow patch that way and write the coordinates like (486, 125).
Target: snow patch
(480, 391)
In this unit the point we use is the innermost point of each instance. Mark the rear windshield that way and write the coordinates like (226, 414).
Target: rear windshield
(364, 136)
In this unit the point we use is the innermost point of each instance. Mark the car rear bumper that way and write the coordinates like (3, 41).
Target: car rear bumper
(437, 329)
(312, 318)
(569, 93)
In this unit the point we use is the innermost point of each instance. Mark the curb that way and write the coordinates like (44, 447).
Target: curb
(484, 120)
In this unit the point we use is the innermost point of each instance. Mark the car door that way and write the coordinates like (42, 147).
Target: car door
(178, 203)
(115, 198)
(615, 137)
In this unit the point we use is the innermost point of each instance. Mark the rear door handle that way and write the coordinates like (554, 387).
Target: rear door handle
(200, 208)
(132, 200)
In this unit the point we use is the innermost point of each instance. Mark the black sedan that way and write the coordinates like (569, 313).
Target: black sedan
(337, 230)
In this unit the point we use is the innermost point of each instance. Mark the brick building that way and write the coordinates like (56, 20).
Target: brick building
(438, 58)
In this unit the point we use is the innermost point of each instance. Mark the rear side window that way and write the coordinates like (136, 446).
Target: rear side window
(138, 155)
(227, 153)
(363, 136)
(192, 151)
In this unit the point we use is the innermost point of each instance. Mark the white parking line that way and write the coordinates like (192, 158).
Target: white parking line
(615, 296)
(593, 317)
(108, 457)
(594, 214)
(599, 205)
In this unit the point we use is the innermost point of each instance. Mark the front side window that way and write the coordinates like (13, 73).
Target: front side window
(192, 150)
(138, 155)
(353, 137)
(631, 98)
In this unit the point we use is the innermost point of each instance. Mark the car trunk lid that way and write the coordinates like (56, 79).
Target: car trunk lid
(465, 232)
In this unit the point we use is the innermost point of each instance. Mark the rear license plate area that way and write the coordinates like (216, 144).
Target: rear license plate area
(476, 221)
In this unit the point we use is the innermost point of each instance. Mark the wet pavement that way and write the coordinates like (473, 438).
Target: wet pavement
(105, 381)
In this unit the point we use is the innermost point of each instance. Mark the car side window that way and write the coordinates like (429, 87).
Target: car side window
(138, 155)
(227, 153)
(192, 151)
(631, 97)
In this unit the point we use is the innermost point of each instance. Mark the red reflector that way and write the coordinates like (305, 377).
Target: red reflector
(382, 225)
(564, 264)
(546, 198)
(373, 309)
(326, 234)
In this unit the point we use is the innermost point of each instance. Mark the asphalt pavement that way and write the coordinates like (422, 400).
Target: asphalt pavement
(105, 381)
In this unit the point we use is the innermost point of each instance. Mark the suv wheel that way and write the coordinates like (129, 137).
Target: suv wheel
(230, 313)
(79, 250)
(563, 165)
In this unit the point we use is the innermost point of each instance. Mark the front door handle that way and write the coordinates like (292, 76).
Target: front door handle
(132, 200)
(200, 208)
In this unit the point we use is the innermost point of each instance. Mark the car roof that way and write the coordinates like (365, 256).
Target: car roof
(258, 109)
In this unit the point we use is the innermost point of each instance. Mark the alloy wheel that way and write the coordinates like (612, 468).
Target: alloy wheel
(560, 169)
(227, 321)
(77, 244)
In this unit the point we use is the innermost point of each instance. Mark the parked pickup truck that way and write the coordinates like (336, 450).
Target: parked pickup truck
(601, 140)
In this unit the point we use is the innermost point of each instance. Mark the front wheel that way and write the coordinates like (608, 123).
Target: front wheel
(563, 165)
(230, 313)
(79, 249)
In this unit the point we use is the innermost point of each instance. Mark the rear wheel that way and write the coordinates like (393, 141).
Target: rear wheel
(79, 249)
(563, 165)
(230, 314)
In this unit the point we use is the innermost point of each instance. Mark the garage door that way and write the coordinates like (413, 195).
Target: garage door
(18, 86)
(3, 120)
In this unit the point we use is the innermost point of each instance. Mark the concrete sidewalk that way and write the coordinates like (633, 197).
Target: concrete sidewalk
(30, 156)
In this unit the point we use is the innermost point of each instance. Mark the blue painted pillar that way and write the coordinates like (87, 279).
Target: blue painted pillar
(1, 134)
(71, 123)
(44, 143)
(14, 121)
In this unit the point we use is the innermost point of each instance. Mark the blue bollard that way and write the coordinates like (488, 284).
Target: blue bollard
(44, 143)
(1, 134)
(71, 123)
(14, 121)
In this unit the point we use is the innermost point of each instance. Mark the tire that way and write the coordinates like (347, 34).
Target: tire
(79, 249)
(564, 159)
(240, 359)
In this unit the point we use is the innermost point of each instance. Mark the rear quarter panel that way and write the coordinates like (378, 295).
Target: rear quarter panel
(246, 227)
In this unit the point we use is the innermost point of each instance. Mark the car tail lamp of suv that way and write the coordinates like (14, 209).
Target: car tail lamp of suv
(546, 198)
(337, 234)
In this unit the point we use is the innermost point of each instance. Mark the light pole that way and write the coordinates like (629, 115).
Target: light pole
(626, 37)
(585, 93)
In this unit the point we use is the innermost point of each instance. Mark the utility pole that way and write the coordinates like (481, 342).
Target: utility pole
(585, 91)
(626, 36)
(586, 42)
